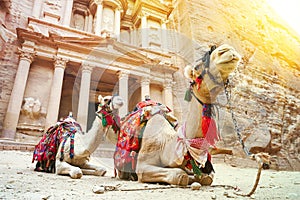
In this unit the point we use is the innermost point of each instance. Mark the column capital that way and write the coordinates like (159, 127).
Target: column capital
(26, 55)
(99, 2)
(87, 67)
(123, 74)
(146, 15)
(145, 80)
(168, 83)
(60, 62)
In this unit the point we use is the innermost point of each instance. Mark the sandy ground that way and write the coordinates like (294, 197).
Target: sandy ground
(19, 181)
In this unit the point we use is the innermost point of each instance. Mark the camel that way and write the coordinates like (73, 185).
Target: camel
(163, 151)
(76, 163)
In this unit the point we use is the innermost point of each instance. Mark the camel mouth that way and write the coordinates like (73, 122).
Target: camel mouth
(226, 56)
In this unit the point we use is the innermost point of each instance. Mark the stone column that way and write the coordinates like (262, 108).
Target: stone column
(123, 92)
(145, 87)
(164, 39)
(90, 26)
(144, 32)
(117, 23)
(132, 36)
(168, 93)
(36, 10)
(84, 94)
(55, 92)
(16, 98)
(98, 18)
(86, 22)
(68, 12)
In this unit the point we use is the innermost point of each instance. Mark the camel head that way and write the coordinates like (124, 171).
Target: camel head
(209, 75)
(114, 102)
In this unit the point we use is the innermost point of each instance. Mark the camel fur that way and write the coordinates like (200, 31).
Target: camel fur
(84, 145)
(157, 160)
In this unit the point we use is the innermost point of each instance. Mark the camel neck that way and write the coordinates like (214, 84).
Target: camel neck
(93, 137)
(193, 122)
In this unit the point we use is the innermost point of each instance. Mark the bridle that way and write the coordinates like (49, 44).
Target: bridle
(206, 60)
(109, 110)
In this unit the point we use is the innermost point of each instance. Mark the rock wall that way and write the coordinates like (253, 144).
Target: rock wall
(265, 88)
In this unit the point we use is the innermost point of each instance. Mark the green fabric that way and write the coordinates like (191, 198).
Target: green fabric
(104, 122)
(188, 95)
(196, 169)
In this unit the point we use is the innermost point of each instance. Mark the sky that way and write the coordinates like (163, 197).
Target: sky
(289, 10)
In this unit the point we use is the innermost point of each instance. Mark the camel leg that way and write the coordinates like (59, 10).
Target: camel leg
(204, 179)
(150, 173)
(90, 169)
(215, 151)
(64, 168)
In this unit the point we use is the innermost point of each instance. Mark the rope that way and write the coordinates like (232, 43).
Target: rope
(237, 130)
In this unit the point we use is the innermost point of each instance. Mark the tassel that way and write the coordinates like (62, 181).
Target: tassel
(72, 146)
(209, 130)
(104, 122)
(196, 169)
(188, 95)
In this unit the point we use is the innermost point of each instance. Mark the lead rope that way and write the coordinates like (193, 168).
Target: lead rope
(262, 159)
(237, 130)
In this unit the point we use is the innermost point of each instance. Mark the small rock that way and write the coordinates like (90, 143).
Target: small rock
(8, 186)
(98, 189)
(46, 197)
(297, 183)
(195, 186)
(292, 196)
(225, 194)
(19, 172)
(213, 196)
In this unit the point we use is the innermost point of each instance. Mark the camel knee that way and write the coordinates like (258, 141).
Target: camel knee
(76, 173)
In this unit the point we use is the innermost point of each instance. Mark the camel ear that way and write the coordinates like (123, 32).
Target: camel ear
(188, 71)
(100, 99)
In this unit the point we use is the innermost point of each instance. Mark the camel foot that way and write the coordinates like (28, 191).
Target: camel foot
(76, 173)
(206, 180)
(100, 172)
(183, 180)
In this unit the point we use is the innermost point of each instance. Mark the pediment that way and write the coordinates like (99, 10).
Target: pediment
(98, 49)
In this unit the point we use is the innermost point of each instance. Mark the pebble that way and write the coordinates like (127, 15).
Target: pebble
(195, 186)
(98, 189)
(45, 197)
(9, 186)
(214, 196)
(292, 196)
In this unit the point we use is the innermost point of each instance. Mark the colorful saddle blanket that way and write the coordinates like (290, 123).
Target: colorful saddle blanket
(130, 137)
(129, 140)
(45, 151)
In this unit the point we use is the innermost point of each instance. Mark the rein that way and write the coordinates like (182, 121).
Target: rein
(236, 128)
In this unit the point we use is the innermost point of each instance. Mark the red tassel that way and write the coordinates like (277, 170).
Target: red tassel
(209, 130)
(198, 81)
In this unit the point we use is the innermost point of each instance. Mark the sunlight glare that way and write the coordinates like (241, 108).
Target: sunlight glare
(289, 11)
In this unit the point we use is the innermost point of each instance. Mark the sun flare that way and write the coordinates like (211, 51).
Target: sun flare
(289, 11)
